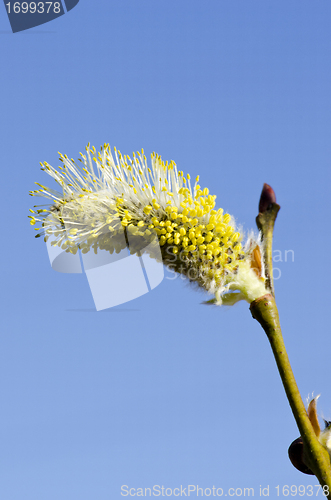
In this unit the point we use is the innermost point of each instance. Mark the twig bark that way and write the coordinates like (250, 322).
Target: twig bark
(264, 310)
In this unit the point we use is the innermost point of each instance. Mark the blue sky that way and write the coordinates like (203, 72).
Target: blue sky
(164, 390)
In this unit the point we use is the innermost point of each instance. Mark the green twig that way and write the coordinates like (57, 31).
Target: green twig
(265, 221)
(264, 310)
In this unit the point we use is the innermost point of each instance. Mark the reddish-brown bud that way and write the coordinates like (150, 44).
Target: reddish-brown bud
(295, 453)
(267, 198)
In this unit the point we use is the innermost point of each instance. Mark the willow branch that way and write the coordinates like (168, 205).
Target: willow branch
(265, 221)
(264, 310)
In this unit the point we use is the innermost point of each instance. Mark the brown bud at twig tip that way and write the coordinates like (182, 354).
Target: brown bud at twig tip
(268, 197)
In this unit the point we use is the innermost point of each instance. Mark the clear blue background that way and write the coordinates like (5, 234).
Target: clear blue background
(164, 390)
